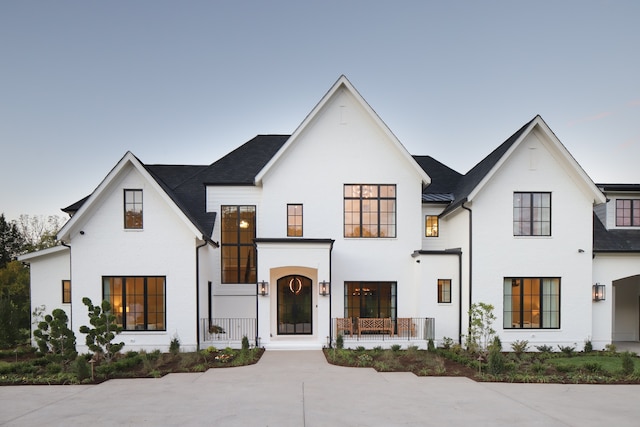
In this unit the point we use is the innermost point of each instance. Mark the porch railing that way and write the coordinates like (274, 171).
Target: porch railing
(227, 330)
(379, 329)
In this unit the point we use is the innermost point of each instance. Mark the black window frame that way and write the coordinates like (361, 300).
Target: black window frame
(292, 220)
(525, 217)
(360, 225)
(130, 209)
(120, 309)
(361, 307)
(507, 314)
(66, 291)
(243, 274)
(431, 226)
(634, 213)
(444, 292)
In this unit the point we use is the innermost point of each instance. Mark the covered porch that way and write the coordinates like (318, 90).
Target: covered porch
(384, 332)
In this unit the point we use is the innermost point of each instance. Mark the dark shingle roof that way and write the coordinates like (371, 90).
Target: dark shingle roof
(241, 166)
(443, 180)
(472, 178)
(614, 240)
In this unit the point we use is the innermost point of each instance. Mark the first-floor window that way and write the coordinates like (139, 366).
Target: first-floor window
(370, 299)
(138, 302)
(66, 291)
(444, 290)
(238, 251)
(531, 303)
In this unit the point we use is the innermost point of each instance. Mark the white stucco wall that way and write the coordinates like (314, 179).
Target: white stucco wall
(497, 253)
(165, 247)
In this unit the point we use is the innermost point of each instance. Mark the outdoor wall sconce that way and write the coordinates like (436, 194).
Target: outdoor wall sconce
(263, 288)
(599, 292)
(323, 288)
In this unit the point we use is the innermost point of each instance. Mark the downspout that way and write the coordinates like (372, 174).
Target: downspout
(460, 298)
(70, 272)
(470, 268)
(330, 293)
(204, 243)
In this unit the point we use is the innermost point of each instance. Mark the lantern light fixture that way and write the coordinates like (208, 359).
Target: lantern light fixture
(324, 288)
(263, 288)
(599, 292)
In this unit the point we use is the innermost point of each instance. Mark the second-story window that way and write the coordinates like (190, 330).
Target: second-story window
(369, 210)
(531, 214)
(431, 226)
(133, 209)
(294, 220)
(628, 213)
(237, 244)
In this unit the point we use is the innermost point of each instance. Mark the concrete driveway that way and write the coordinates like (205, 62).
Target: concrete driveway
(299, 388)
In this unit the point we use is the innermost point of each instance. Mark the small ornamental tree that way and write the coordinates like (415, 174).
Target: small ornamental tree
(481, 332)
(103, 331)
(54, 336)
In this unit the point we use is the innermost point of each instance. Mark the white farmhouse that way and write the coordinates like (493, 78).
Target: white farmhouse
(290, 240)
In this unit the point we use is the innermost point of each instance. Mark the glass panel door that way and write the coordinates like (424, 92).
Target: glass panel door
(294, 306)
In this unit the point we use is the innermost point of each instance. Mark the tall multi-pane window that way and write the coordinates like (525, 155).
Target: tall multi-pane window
(628, 213)
(444, 290)
(531, 214)
(431, 226)
(137, 301)
(133, 209)
(369, 210)
(370, 299)
(294, 220)
(66, 291)
(237, 244)
(531, 303)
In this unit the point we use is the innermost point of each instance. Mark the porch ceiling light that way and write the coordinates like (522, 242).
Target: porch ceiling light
(599, 292)
(324, 288)
(263, 288)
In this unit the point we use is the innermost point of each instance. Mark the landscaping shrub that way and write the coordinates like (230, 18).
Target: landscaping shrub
(100, 337)
(628, 365)
(54, 336)
(544, 348)
(519, 347)
(339, 342)
(431, 347)
(588, 347)
(174, 345)
(496, 361)
(245, 343)
(567, 350)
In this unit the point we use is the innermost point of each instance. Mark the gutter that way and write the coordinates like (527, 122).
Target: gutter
(470, 265)
(204, 243)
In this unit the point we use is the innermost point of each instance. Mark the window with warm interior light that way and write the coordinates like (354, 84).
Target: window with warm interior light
(431, 226)
(133, 209)
(531, 303)
(294, 220)
(628, 213)
(370, 299)
(238, 251)
(444, 290)
(138, 302)
(531, 214)
(66, 291)
(369, 210)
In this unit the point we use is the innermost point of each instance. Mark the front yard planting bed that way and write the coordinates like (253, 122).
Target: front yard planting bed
(25, 367)
(532, 367)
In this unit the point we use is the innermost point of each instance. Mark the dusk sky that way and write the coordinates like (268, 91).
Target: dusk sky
(185, 82)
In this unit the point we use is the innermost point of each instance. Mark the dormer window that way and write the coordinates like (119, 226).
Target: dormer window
(628, 213)
(133, 209)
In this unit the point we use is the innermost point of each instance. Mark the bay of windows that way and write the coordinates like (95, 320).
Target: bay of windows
(369, 210)
(137, 302)
(531, 303)
(237, 244)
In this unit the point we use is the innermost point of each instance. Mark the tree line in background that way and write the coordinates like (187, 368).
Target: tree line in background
(26, 234)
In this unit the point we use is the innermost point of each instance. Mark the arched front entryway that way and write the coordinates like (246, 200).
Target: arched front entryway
(295, 305)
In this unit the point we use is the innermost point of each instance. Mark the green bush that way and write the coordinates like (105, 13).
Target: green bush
(245, 343)
(628, 365)
(431, 346)
(103, 331)
(339, 342)
(496, 361)
(588, 347)
(396, 347)
(81, 368)
(544, 348)
(567, 350)
(519, 347)
(174, 345)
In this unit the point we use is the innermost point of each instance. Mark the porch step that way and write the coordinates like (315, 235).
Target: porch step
(293, 345)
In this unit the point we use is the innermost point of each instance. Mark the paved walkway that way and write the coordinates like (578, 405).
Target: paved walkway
(299, 388)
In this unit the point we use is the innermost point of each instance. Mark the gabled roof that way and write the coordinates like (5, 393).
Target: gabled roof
(241, 166)
(614, 240)
(443, 180)
(342, 83)
(474, 180)
(166, 179)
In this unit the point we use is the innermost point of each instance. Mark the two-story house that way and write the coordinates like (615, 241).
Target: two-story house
(291, 240)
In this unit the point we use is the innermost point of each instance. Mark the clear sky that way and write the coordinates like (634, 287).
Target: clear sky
(185, 82)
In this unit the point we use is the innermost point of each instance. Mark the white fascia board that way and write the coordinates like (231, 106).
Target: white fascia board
(343, 82)
(104, 185)
(41, 253)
